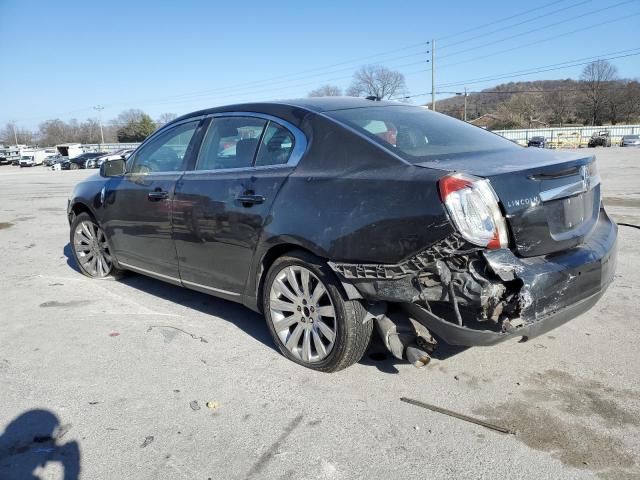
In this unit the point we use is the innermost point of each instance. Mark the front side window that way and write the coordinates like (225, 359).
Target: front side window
(276, 146)
(165, 152)
(418, 135)
(231, 142)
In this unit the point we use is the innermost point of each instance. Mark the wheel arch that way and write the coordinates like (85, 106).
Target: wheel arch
(79, 207)
(271, 255)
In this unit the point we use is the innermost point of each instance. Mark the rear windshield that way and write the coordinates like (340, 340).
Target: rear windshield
(418, 135)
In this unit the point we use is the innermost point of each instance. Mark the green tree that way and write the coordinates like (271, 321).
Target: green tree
(134, 126)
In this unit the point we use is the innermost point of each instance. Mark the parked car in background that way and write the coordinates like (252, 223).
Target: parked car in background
(600, 139)
(311, 213)
(31, 158)
(538, 142)
(54, 159)
(630, 141)
(11, 154)
(98, 161)
(80, 161)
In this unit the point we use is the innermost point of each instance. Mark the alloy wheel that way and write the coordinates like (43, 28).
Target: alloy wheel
(302, 314)
(92, 250)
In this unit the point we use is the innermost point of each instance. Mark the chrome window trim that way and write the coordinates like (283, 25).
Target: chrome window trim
(154, 174)
(299, 148)
(240, 169)
(177, 280)
(158, 132)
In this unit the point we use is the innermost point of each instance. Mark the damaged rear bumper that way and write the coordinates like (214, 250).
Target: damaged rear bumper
(508, 296)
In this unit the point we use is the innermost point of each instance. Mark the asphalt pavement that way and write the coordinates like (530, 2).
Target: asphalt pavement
(139, 379)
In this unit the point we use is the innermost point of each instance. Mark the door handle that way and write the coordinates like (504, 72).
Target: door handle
(157, 195)
(249, 199)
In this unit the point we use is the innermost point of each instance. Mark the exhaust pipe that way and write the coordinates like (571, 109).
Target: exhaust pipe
(418, 357)
(406, 338)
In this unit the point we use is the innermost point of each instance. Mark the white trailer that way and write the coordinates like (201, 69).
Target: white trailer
(70, 150)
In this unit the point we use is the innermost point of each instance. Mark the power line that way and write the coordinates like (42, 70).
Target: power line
(296, 75)
(525, 12)
(554, 37)
(541, 69)
(538, 17)
(519, 73)
(593, 12)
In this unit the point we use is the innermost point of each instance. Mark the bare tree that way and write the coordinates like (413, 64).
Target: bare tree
(596, 77)
(12, 134)
(377, 81)
(165, 118)
(558, 104)
(522, 109)
(631, 106)
(326, 91)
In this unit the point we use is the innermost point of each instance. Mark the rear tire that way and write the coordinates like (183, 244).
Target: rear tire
(310, 318)
(90, 248)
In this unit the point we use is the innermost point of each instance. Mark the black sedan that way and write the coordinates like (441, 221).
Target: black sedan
(538, 142)
(80, 161)
(333, 215)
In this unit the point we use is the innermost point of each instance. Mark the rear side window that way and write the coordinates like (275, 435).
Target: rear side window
(231, 142)
(418, 135)
(276, 146)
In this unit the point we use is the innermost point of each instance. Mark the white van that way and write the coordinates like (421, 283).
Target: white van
(31, 158)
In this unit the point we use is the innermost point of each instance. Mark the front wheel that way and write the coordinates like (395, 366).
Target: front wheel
(309, 317)
(90, 248)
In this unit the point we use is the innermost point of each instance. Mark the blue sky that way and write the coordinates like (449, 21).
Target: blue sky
(61, 58)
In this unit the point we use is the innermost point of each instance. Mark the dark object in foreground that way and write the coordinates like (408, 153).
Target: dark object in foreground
(460, 416)
(333, 215)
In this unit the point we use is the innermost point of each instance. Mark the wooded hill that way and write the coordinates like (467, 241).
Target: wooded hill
(550, 102)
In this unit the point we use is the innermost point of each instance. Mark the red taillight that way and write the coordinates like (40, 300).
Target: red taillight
(451, 184)
(473, 208)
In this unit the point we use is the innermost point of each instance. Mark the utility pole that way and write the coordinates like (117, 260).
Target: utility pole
(465, 104)
(15, 136)
(433, 75)
(99, 109)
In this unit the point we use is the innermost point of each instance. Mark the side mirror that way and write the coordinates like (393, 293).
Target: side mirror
(113, 168)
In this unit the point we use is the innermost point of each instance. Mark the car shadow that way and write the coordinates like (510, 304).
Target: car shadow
(246, 320)
(378, 356)
(253, 323)
(235, 313)
(70, 260)
(33, 439)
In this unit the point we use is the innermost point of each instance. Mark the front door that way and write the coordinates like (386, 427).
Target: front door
(221, 205)
(139, 206)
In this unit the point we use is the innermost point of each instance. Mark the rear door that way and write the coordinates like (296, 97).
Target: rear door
(139, 206)
(222, 204)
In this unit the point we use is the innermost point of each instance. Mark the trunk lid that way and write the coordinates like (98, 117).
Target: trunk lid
(551, 200)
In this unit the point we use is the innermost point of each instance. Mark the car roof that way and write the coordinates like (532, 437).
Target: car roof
(312, 104)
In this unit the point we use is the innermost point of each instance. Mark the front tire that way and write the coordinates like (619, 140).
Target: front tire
(90, 248)
(310, 318)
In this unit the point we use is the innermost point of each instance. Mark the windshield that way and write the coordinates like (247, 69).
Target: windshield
(631, 137)
(417, 135)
